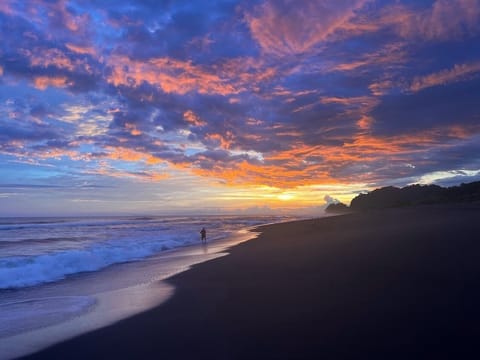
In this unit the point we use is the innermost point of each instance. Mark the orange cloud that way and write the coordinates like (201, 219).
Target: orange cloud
(172, 76)
(42, 82)
(356, 107)
(229, 77)
(193, 119)
(293, 165)
(457, 73)
(245, 173)
(365, 122)
(133, 129)
(459, 132)
(423, 141)
(225, 141)
(125, 154)
(303, 165)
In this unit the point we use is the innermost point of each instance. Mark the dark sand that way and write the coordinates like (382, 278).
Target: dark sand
(401, 283)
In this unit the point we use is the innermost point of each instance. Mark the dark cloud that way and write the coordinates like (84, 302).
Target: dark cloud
(433, 107)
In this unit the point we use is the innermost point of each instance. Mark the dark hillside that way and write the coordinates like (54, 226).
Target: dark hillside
(412, 195)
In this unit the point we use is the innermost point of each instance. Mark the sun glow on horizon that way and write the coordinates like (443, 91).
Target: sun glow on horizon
(286, 196)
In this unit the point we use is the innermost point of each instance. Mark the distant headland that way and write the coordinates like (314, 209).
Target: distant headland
(391, 197)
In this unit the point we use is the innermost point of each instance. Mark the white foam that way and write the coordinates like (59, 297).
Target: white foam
(22, 271)
(128, 289)
(93, 244)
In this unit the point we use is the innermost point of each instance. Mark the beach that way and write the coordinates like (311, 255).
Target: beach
(63, 277)
(397, 283)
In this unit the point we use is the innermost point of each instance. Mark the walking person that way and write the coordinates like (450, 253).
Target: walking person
(203, 234)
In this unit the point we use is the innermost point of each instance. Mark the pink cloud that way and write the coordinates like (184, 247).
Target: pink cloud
(457, 73)
(48, 57)
(74, 23)
(293, 27)
(84, 50)
(358, 107)
(351, 65)
(390, 56)
(59, 15)
(446, 19)
(358, 100)
(382, 87)
(245, 71)
(6, 8)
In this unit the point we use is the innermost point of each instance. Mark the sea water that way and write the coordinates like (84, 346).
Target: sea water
(60, 277)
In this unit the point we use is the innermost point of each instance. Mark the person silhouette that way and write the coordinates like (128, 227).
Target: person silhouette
(203, 234)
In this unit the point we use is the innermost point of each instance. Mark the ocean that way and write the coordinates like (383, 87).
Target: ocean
(60, 277)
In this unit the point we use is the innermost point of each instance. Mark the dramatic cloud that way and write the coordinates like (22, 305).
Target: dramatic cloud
(293, 99)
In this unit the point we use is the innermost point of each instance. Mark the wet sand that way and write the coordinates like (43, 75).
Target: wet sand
(401, 283)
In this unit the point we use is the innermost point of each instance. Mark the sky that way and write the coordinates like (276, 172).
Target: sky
(224, 106)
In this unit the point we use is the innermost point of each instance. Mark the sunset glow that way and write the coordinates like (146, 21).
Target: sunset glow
(232, 106)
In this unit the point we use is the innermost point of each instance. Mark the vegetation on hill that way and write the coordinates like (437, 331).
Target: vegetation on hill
(412, 195)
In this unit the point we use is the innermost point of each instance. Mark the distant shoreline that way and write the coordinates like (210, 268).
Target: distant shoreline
(398, 283)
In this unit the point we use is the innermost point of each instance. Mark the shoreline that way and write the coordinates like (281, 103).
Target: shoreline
(106, 307)
(397, 283)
